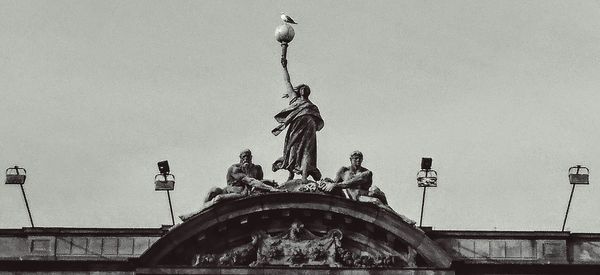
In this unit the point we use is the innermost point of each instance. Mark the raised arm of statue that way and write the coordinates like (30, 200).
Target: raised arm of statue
(286, 78)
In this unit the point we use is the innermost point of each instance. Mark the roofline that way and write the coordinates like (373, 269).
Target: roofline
(84, 231)
(159, 231)
(482, 234)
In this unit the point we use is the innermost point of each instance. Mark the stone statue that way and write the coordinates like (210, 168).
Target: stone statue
(242, 178)
(303, 120)
(355, 182)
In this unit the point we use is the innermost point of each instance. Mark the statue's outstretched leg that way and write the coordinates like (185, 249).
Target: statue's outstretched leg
(229, 196)
(213, 193)
(264, 185)
(375, 192)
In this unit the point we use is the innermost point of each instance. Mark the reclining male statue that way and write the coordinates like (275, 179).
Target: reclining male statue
(355, 182)
(242, 179)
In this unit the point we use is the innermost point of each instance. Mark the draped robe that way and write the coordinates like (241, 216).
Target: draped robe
(303, 120)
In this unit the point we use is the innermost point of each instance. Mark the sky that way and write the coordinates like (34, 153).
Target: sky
(501, 94)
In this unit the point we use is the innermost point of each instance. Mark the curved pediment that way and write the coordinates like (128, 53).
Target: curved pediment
(296, 229)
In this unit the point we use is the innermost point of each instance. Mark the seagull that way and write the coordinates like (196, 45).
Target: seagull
(287, 19)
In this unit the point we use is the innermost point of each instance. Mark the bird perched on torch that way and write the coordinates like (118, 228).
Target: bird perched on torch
(287, 19)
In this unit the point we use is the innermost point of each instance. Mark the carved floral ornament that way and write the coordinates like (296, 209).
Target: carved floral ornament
(299, 247)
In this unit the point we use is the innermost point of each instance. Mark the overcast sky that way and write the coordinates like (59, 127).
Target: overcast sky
(502, 95)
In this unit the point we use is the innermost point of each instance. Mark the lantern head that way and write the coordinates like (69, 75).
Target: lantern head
(284, 33)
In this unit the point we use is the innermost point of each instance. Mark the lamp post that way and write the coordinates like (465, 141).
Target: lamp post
(426, 177)
(284, 34)
(17, 175)
(165, 181)
(577, 175)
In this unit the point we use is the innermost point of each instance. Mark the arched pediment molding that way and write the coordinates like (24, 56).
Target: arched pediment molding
(223, 213)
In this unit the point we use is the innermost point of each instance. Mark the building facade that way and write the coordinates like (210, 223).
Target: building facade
(295, 233)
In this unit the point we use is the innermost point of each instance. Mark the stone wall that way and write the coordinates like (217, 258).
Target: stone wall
(75, 244)
(519, 246)
(114, 251)
(58, 251)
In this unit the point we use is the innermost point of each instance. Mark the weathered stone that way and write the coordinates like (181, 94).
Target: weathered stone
(363, 215)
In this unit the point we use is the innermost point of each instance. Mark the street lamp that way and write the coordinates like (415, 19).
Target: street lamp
(17, 175)
(284, 34)
(426, 177)
(577, 175)
(165, 181)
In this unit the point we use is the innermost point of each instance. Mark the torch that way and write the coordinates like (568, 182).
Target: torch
(284, 34)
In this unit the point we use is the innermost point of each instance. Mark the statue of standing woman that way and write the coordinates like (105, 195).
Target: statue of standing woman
(303, 120)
